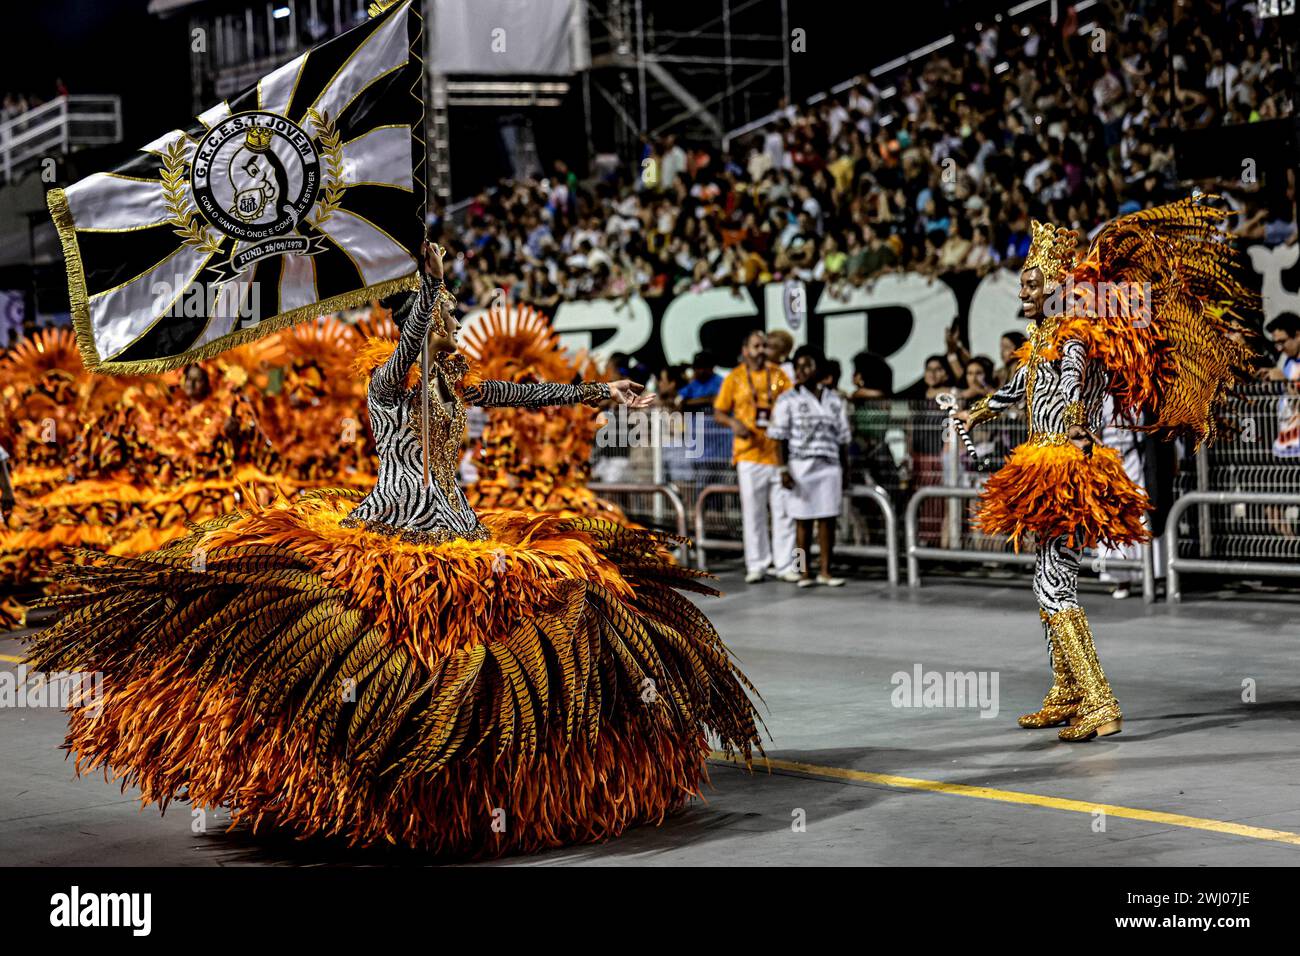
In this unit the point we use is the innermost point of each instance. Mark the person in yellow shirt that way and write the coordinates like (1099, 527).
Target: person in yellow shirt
(744, 405)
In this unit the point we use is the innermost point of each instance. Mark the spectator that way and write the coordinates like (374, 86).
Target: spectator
(878, 256)
(1285, 330)
(873, 385)
(979, 378)
(704, 385)
(780, 344)
(941, 176)
(811, 427)
(669, 384)
(834, 372)
(935, 379)
(958, 356)
(745, 405)
(872, 377)
(832, 264)
(957, 247)
(1008, 344)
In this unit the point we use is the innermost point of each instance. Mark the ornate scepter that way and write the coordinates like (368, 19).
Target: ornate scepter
(948, 402)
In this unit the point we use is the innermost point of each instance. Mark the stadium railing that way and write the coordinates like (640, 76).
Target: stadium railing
(60, 126)
(1236, 507)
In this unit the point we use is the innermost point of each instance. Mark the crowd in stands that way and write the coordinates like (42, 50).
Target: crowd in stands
(15, 105)
(938, 173)
(941, 174)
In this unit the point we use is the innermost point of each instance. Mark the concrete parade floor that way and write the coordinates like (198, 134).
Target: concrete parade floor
(1197, 777)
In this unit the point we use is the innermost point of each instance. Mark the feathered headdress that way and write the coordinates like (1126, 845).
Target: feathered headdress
(1160, 301)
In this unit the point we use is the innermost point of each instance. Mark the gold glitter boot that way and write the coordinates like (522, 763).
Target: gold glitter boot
(1062, 700)
(1099, 714)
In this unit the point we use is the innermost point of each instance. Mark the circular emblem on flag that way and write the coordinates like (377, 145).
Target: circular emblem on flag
(255, 175)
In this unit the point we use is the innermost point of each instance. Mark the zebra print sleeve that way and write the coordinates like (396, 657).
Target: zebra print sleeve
(389, 379)
(1074, 359)
(1009, 394)
(495, 394)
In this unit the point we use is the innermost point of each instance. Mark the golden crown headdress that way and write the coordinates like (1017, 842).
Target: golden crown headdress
(258, 139)
(443, 295)
(1051, 249)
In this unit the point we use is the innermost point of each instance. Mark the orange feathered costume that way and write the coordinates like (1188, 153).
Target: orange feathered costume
(1054, 490)
(546, 686)
(121, 463)
(1156, 306)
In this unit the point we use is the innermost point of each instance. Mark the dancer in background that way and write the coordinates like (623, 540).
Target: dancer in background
(11, 614)
(7, 500)
(1150, 316)
(780, 344)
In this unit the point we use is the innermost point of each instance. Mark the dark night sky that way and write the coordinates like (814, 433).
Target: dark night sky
(101, 46)
(115, 46)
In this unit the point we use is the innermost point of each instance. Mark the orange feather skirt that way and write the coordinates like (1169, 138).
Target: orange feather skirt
(1055, 490)
(548, 686)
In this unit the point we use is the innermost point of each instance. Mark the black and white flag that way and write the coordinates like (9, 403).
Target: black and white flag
(302, 195)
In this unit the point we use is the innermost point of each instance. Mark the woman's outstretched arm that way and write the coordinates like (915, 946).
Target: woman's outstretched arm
(488, 394)
(496, 394)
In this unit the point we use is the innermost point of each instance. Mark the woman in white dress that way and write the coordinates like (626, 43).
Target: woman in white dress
(810, 424)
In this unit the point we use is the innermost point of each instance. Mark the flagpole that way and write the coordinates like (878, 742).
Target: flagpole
(424, 400)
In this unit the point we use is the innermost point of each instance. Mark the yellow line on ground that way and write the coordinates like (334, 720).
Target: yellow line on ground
(1013, 796)
(11, 659)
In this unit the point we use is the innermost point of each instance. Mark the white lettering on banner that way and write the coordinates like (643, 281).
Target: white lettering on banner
(995, 310)
(1270, 264)
(631, 320)
(933, 307)
(686, 315)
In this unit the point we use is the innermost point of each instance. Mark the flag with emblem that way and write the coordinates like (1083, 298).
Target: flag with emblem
(302, 195)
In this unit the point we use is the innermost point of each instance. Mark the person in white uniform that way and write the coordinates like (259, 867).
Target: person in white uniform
(1129, 444)
(810, 425)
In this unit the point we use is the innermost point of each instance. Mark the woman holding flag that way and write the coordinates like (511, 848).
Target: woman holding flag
(395, 669)
(401, 669)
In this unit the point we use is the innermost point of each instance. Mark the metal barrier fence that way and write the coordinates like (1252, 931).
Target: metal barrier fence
(1236, 507)
(1263, 458)
(667, 492)
(887, 550)
(1237, 567)
(1145, 565)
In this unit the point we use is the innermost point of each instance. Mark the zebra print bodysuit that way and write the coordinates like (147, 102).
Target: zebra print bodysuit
(1057, 392)
(400, 503)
